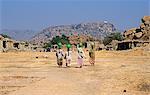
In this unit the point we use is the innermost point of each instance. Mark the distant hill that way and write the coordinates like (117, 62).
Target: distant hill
(95, 29)
(23, 35)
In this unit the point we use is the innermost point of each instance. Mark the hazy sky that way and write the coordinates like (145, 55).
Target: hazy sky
(38, 14)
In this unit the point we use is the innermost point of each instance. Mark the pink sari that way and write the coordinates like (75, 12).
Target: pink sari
(80, 61)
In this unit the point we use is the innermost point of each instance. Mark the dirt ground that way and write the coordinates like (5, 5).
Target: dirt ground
(36, 73)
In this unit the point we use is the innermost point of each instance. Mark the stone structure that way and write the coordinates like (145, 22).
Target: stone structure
(113, 45)
(130, 44)
(126, 44)
(7, 44)
(2, 44)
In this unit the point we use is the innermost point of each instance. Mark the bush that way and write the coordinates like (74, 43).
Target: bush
(55, 40)
(113, 36)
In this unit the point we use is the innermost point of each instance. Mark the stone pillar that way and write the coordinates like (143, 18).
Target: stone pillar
(1, 46)
(132, 46)
(9, 45)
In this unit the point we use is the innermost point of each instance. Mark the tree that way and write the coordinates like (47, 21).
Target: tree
(58, 39)
(64, 39)
(113, 36)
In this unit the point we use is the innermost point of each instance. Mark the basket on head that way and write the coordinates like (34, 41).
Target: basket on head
(68, 45)
(59, 45)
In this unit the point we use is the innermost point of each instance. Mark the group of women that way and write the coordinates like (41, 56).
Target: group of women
(60, 54)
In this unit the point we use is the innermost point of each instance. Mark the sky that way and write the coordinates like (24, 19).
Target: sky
(39, 14)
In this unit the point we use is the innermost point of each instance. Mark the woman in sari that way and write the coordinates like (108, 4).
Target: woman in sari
(81, 55)
(92, 53)
(68, 56)
(59, 55)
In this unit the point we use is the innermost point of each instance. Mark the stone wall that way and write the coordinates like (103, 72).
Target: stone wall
(7, 44)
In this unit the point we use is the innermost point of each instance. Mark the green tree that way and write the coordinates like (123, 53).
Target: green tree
(55, 40)
(64, 39)
(113, 36)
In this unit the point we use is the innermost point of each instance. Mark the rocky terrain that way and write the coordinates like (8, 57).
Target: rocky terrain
(96, 29)
(140, 33)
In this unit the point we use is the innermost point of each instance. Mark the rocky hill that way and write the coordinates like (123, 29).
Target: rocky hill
(96, 29)
(140, 33)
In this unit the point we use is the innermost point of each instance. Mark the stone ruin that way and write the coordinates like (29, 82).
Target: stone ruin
(7, 44)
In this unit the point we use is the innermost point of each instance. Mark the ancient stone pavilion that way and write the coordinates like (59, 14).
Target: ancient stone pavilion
(5, 44)
(130, 44)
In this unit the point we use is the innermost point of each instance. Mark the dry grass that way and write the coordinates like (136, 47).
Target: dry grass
(36, 73)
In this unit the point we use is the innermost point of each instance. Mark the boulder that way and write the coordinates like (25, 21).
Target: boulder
(145, 38)
(142, 26)
(138, 35)
(129, 34)
(146, 20)
(146, 30)
(130, 31)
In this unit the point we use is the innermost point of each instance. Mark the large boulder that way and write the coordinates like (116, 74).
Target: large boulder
(138, 35)
(146, 20)
(129, 34)
(142, 26)
(146, 30)
(145, 38)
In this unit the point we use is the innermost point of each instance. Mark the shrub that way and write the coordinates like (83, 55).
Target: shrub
(113, 36)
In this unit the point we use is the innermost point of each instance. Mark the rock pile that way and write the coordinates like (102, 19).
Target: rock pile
(140, 33)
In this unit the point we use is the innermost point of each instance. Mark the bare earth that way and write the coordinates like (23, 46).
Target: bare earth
(115, 73)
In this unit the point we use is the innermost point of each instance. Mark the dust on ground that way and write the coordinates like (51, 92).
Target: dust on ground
(36, 73)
